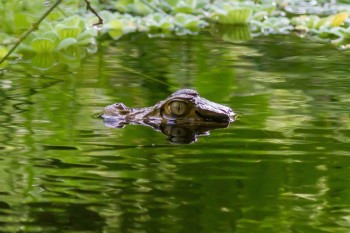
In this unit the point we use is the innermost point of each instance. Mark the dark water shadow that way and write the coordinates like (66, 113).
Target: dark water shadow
(176, 133)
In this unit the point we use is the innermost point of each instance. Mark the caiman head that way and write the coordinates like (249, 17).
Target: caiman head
(182, 107)
(186, 106)
(182, 116)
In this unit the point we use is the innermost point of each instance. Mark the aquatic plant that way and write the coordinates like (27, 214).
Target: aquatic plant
(157, 23)
(187, 24)
(271, 25)
(66, 39)
(185, 6)
(308, 22)
(231, 14)
(117, 25)
(231, 33)
(328, 28)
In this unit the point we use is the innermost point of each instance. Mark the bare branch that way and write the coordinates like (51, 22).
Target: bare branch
(89, 7)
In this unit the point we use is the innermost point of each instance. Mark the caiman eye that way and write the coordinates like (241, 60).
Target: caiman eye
(178, 108)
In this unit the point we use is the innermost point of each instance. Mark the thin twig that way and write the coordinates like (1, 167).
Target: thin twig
(88, 6)
(34, 27)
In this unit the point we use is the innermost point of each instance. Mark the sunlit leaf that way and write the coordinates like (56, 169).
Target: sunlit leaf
(87, 37)
(66, 43)
(234, 16)
(51, 35)
(141, 7)
(115, 24)
(74, 21)
(43, 45)
(339, 19)
(122, 5)
(183, 19)
(192, 25)
(67, 31)
(115, 29)
(115, 34)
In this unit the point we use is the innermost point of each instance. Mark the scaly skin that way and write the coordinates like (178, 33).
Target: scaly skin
(197, 111)
(183, 116)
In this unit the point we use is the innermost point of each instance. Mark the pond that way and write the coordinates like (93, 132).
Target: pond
(282, 166)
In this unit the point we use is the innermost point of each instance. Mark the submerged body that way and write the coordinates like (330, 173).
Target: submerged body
(184, 108)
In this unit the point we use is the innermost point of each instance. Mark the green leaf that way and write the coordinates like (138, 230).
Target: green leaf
(68, 31)
(44, 61)
(43, 45)
(74, 21)
(122, 5)
(115, 24)
(115, 29)
(66, 43)
(142, 8)
(51, 36)
(87, 37)
(235, 16)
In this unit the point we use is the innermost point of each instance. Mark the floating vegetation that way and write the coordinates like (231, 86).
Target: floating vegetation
(117, 25)
(187, 24)
(232, 15)
(158, 23)
(271, 25)
(308, 22)
(332, 28)
(66, 40)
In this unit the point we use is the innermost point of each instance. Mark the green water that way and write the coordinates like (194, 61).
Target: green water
(282, 166)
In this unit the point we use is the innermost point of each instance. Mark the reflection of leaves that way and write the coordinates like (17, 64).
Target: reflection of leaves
(232, 33)
(44, 60)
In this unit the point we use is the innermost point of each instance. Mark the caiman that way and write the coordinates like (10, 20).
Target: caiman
(182, 116)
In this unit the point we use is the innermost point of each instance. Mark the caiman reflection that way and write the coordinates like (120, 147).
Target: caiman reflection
(183, 116)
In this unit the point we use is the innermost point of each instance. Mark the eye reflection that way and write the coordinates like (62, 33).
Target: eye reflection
(178, 108)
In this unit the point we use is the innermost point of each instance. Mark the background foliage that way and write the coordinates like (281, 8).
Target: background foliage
(68, 33)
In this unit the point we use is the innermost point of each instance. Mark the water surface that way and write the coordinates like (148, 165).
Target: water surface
(282, 166)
